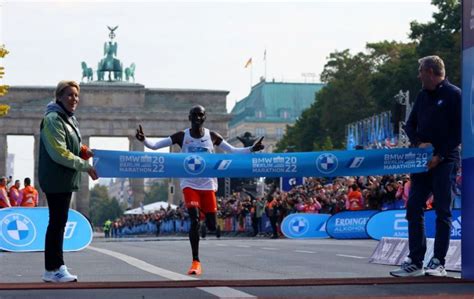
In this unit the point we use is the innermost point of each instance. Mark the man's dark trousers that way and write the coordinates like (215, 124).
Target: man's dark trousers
(438, 181)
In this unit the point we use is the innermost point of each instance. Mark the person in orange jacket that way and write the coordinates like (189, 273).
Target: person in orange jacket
(4, 200)
(355, 201)
(15, 194)
(29, 195)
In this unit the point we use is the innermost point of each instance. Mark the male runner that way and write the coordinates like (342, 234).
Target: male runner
(199, 193)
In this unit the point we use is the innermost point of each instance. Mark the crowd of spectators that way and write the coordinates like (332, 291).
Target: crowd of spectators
(151, 222)
(245, 210)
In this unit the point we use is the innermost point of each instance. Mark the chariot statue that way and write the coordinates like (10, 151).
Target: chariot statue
(109, 64)
(109, 68)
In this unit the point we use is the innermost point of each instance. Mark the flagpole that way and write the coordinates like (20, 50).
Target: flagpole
(265, 59)
(251, 75)
(250, 63)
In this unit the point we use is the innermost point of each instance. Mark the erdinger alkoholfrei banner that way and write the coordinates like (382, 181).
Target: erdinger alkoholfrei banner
(349, 224)
(321, 164)
(468, 136)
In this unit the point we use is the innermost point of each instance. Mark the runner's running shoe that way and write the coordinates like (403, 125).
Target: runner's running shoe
(195, 268)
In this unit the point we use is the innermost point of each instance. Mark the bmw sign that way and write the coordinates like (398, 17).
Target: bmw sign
(194, 164)
(326, 163)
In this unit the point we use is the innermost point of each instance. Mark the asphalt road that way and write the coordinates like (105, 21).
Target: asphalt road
(165, 259)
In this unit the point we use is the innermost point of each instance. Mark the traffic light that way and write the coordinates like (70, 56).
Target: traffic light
(2, 71)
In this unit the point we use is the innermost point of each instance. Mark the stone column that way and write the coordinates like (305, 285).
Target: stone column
(81, 202)
(42, 197)
(137, 185)
(3, 155)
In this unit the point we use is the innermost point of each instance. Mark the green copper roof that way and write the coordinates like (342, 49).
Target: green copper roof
(272, 101)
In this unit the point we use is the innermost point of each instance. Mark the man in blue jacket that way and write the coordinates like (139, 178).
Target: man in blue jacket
(434, 121)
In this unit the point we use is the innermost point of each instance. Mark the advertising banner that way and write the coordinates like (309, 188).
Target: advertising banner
(305, 226)
(286, 184)
(392, 223)
(430, 220)
(468, 134)
(317, 164)
(349, 224)
(24, 229)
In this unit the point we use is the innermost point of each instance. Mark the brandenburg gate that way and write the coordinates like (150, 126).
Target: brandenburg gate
(112, 107)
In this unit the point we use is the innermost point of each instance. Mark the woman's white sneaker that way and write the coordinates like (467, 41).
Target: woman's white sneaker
(60, 275)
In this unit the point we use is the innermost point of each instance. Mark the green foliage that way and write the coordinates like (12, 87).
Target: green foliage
(158, 192)
(364, 84)
(442, 36)
(326, 146)
(102, 207)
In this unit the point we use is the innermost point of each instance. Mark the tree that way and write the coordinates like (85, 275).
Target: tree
(102, 207)
(158, 192)
(364, 84)
(442, 36)
(345, 98)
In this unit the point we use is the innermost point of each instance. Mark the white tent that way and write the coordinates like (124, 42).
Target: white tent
(149, 208)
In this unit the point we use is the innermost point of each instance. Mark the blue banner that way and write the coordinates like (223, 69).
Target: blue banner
(286, 184)
(349, 224)
(468, 136)
(24, 229)
(392, 223)
(456, 230)
(303, 226)
(313, 164)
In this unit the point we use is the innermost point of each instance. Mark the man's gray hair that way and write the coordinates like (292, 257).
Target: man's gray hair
(433, 62)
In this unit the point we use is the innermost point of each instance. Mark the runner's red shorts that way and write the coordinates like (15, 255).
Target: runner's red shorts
(205, 200)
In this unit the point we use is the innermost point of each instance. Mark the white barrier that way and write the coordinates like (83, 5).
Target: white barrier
(392, 251)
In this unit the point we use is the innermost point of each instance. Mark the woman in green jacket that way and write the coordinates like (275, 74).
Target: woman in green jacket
(62, 157)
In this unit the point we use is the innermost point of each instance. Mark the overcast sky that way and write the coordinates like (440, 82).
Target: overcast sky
(199, 45)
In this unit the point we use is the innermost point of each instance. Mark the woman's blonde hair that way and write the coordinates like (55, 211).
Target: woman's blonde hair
(62, 85)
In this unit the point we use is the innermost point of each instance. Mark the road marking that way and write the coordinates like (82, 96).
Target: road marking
(221, 292)
(243, 246)
(351, 256)
(225, 292)
(221, 245)
(269, 248)
(304, 251)
(143, 265)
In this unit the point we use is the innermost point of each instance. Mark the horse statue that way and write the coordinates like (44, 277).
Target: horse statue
(87, 72)
(109, 63)
(100, 74)
(130, 72)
